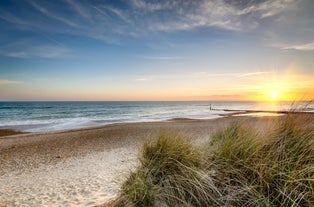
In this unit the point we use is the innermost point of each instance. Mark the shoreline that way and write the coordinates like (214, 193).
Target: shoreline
(43, 166)
(249, 112)
(9, 132)
(22, 129)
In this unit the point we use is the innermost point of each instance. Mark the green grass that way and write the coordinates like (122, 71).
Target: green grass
(242, 168)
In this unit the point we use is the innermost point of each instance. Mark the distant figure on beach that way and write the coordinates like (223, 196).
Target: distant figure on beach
(210, 107)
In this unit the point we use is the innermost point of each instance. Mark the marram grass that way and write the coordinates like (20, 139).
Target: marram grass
(242, 168)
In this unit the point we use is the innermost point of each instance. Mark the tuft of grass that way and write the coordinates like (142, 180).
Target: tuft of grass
(275, 168)
(243, 168)
(169, 175)
(286, 168)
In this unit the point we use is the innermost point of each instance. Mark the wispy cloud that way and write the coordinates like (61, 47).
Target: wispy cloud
(162, 57)
(9, 82)
(303, 47)
(267, 8)
(103, 20)
(115, 23)
(253, 74)
(149, 6)
(29, 51)
(214, 13)
(17, 20)
(50, 14)
(142, 78)
(204, 74)
(79, 8)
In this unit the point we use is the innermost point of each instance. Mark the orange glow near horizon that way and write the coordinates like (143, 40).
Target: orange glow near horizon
(264, 87)
(285, 87)
(275, 92)
(288, 85)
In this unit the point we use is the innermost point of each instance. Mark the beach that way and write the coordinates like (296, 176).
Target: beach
(84, 167)
(156, 103)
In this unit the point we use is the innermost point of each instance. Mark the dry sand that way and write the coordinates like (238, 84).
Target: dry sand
(84, 167)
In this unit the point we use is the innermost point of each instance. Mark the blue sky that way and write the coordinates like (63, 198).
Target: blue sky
(156, 50)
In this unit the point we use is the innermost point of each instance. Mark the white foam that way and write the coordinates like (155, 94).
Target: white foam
(80, 122)
(49, 116)
(62, 125)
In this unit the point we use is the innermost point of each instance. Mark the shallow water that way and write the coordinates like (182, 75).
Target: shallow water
(53, 116)
(259, 114)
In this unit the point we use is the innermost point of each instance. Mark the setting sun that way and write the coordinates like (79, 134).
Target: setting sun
(274, 94)
(289, 85)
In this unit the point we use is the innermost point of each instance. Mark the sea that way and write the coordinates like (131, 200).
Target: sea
(55, 116)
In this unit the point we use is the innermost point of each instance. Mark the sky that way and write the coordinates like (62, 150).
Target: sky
(134, 50)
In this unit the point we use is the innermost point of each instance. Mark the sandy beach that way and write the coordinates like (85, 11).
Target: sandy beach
(109, 103)
(85, 167)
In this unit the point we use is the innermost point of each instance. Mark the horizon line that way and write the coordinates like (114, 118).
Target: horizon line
(305, 100)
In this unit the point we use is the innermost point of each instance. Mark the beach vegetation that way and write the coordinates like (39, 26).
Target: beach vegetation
(237, 166)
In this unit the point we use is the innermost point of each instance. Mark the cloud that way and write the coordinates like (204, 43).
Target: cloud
(149, 6)
(219, 97)
(111, 22)
(27, 50)
(253, 74)
(302, 47)
(9, 82)
(268, 8)
(213, 13)
(292, 29)
(81, 10)
(28, 54)
(50, 14)
(142, 79)
(118, 13)
(162, 57)
(13, 19)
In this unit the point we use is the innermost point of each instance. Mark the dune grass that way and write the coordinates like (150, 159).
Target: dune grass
(237, 167)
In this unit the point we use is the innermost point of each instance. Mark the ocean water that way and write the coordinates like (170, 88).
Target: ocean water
(52, 116)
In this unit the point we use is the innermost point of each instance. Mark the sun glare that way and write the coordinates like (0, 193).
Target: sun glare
(273, 94)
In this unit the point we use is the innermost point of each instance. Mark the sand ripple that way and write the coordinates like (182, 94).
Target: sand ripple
(84, 181)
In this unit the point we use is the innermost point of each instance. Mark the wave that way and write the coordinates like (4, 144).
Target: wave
(52, 116)
(72, 123)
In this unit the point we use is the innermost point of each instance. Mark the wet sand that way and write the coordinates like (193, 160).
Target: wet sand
(85, 167)
(8, 132)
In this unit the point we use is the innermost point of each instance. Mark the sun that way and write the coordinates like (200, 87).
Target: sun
(283, 87)
(273, 94)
